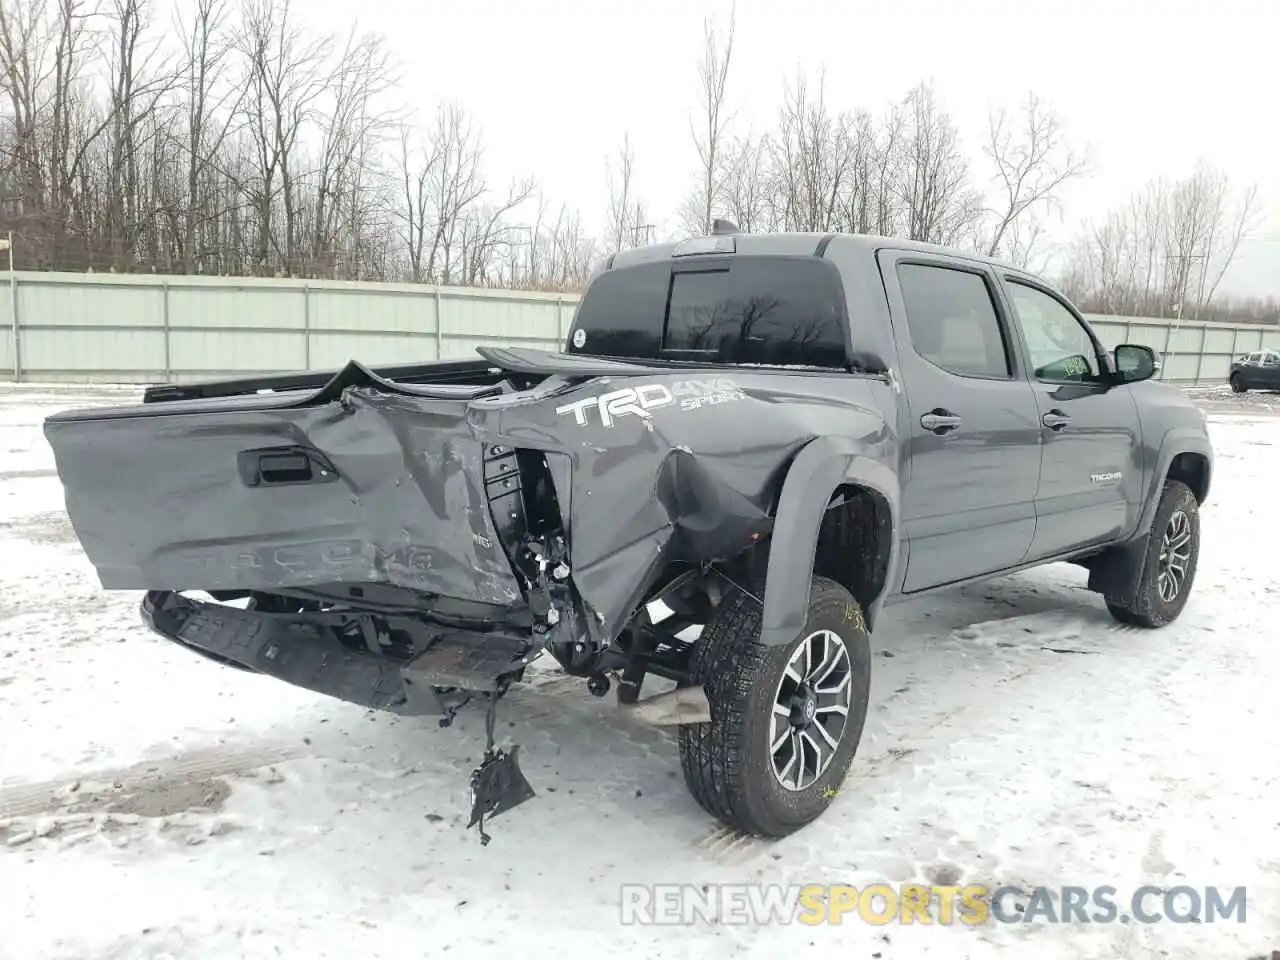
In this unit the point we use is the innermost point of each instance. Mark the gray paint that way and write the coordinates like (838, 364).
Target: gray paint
(157, 502)
(154, 494)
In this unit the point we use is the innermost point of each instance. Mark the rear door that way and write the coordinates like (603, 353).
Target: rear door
(1091, 482)
(972, 450)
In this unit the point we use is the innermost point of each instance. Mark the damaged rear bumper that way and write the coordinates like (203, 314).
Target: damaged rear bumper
(305, 649)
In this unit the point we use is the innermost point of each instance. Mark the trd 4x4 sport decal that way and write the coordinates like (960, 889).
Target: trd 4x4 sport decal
(638, 401)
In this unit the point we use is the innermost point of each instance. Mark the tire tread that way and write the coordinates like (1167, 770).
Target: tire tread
(729, 658)
(1144, 610)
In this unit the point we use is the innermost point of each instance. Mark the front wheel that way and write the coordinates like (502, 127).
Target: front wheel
(1169, 569)
(1237, 383)
(785, 720)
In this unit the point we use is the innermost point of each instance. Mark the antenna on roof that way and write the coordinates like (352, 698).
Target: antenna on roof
(724, 228)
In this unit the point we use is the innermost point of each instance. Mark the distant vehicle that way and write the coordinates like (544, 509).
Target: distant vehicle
(774, 436)
(1259, 370)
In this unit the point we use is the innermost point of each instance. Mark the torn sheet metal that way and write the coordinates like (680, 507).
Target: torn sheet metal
(369, 482)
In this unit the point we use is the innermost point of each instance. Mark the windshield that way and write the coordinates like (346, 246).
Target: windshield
(776, 311)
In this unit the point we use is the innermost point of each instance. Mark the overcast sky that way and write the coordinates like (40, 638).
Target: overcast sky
(1149, 85)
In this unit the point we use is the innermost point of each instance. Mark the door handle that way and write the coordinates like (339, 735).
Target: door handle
(1055, 420)
(940, 421)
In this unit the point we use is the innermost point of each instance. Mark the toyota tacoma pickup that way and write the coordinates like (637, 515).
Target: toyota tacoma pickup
(749, 447)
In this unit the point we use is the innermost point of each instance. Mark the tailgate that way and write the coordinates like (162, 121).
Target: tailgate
(268, 491)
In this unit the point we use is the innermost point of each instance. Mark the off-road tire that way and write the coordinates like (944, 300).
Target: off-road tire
(1147, 608)
(1237, 383)
(727, 762)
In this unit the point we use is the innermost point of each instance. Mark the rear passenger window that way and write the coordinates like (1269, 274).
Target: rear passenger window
(621, 313)
(952, 320)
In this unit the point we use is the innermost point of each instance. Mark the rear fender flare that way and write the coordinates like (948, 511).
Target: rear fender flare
(815, 473)
(1176, 441)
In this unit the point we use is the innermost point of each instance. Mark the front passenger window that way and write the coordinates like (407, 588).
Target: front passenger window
(1061, 348)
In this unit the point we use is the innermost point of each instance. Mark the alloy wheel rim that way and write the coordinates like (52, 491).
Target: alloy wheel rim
(1175, 557)
(810, 710)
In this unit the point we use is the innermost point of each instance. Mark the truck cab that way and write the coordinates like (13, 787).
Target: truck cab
(1020, 438)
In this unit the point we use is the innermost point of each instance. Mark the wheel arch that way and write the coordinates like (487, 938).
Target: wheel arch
(1185, 455)
(834, 491)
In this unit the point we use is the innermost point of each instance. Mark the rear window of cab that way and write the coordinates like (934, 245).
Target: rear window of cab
(775, 311)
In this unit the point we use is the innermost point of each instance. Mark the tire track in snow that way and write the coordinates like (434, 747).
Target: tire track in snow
(30, 798)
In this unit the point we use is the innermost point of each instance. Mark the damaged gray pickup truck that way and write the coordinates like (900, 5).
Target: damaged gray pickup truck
(747, 448)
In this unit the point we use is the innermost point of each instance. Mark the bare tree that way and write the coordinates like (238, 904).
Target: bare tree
(1106, 262)
(244, 141)
(626, 214)
(709, 132)
(25, 47)
(1022, 243)
(287, 79)
(210, 108)
(886, 165)
(141, 78)
(1166, 250)
(1147, 216)
(565, 255)
(859, 201)
(351, 126)
(940, 206)
(1202, 235)
(50, 131)
(417, 164)
(456, 183)
(1237, 227)
(746, 187)
(74, 132)
(485, 234)
(241, 141)
(815, 155)
(1033, 161)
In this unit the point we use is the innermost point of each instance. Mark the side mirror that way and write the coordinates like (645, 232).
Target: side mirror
(1135, 362)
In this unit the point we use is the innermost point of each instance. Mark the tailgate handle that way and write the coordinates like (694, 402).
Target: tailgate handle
(284, 466)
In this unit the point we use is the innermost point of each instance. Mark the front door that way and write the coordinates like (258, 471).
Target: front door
(1268, 371)
(1091, 481)
(971, 435)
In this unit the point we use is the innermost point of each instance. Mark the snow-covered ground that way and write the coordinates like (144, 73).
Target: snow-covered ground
(153, 804)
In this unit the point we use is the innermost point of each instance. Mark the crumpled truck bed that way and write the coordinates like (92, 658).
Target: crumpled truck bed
(365, 481)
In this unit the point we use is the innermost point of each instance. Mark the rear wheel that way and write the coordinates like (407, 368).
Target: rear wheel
(1237, 383)
(786, 720)
(1169, 569)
